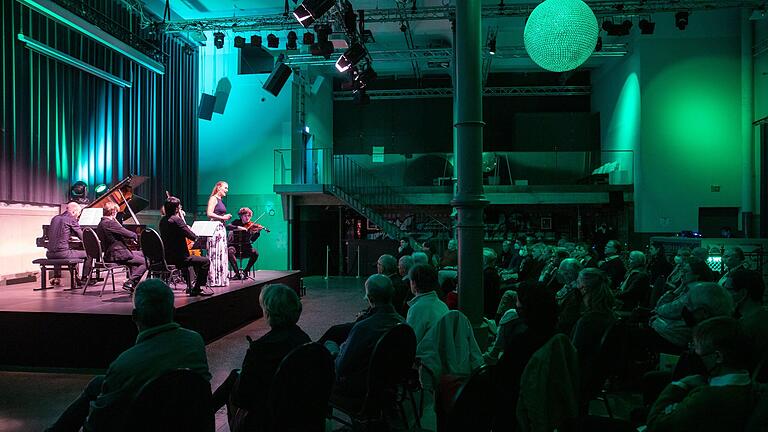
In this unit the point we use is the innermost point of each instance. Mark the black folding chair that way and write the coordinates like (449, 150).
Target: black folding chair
(473, 405)
(93, 249)
(389, 373)
(176, 401)
(157, 267)
(301, 389)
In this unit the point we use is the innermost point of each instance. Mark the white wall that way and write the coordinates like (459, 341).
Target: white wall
(20, 225)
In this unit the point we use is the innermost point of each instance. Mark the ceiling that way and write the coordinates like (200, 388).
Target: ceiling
(393, 58)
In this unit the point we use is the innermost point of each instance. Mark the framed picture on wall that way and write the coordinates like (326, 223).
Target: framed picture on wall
(370, 226)
(546, 223)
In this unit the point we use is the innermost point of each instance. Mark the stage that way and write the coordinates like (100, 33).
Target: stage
(58, 328)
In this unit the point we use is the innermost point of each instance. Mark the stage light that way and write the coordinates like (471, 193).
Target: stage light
(239, 42)
(218, 40)
(646, 27)
(351, 57)
(323, 47)
(364, 77)
(681, 20)
(256, 40)
(78, 192)
(308, 38)
(310, 11)
(273, 41)
(100, 188)
(614, 29)
(291, 44)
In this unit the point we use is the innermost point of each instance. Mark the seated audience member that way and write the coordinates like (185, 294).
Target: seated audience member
(420, 258)
(612, 264)
(569, 297)
(675, 277)
(405, 248)
(525, 262)
(658, 266)
(702, 254)
(538, 323)
(671, 303)
(63, 227)
(354, 355)
(113, 237)
(387, 265)
(174, 233)
(425, 307)
(703, 300)
(597, 316)
(734, 259)
(636, 287)
(549, 276)
(404, 265)
(491, 284)
(450, 258)
(720, 401)
(586, 255)
(249, 389)
(747, 288)
(510, 256)
(161, 346)
(429, 247)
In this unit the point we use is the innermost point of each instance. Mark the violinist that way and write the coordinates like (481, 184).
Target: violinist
(245, 233)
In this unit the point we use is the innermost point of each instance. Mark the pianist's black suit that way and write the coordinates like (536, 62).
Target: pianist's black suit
(113, 237)
(63, 227)
(174, 232)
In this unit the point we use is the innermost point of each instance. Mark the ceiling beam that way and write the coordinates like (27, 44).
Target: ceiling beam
(423, 93)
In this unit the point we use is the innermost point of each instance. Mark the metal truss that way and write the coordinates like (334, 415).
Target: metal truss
(423, 93)
(438, 55)
(393, 15)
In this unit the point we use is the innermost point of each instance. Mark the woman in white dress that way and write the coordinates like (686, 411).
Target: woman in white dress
(217, 244)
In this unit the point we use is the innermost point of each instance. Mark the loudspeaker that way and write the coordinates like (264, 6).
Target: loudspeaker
(317, 84)
(277, 78)
(253, 59)
(205, 110)
(222, 94)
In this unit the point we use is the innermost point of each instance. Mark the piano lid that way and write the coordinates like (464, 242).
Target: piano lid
(122, 194)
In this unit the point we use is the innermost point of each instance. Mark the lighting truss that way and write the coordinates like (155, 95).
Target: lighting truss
(424, 93)
(393, 15)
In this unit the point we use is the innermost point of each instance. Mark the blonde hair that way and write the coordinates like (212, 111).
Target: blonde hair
(218, 185)
(110, 209)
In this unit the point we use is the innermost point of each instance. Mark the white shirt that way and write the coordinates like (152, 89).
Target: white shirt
(425, 310)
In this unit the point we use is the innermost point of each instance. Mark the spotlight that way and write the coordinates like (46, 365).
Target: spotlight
(614, 29)
(492, 46)
(351, 57)
(218, 40)
(100, 188)
(78, 192)
(256, 40)
(239, 42)
(291, 44)
(364, 77)
(311, 10)
(646, 27)
(681, 20)
(308, 38)
(323, 47)
(272, 41)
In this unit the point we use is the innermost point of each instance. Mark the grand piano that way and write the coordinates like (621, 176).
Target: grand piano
(121, 194)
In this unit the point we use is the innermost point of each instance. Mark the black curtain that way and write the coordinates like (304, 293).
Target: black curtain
(60, 124)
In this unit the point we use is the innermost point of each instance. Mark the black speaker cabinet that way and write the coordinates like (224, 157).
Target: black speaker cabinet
(277, 78)
(205, 110)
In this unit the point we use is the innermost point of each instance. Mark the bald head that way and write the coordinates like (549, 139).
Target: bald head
(153, 304)
(73, 208)
(378, 289)
(386, 265)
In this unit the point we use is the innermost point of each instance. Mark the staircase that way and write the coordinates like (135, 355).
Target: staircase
(360, 190)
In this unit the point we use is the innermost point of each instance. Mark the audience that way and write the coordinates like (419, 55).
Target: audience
(569, 297)
(387, 265)
(420, 258)
(450, 258)
(425, 307)
(681, 257)
(612, 264)
(355, 353)
(658, 266)
(702, 254)
(636, 287)
(404, 265)
(491, 284)
(161, 346)
(722, 399)
(734, 259)
(747, 289)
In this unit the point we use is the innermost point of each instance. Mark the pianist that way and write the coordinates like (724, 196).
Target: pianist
(113, 238)
(63, 227)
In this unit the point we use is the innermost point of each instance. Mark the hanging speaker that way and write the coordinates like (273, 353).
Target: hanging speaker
(222, 95)
(277, 78)
(317, 84)
(205, 110)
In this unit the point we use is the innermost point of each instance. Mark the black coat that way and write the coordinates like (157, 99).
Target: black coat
(636, 290)
(175, 232)
(615, 270)
(113, 237)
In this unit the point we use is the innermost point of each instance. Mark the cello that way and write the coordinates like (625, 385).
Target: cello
(190, 243)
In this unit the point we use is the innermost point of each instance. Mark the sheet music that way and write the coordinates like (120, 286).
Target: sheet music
(204, 228)
(91, 216)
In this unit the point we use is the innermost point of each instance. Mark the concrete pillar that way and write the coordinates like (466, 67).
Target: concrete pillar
(747, 129)
(469, 200)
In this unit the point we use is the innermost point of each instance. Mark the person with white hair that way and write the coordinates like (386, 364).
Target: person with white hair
(63, 227)
(420, 258)
(161, 346)
(636, 287)
(734, 259)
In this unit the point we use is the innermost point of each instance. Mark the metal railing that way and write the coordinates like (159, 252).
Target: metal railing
(310, 166)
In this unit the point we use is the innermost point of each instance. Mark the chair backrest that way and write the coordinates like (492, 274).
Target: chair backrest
(178, 400)
(758, 421)
(301, 388)
(92, 244)
(154, 250)
(614, 347)
(390, 366)
(473, 406)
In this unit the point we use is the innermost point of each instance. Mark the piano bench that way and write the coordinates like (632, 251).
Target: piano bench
(52, 264)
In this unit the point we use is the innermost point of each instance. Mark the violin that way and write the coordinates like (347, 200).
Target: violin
(255, 227)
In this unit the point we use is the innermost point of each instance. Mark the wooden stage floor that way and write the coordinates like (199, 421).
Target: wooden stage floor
(58, 328)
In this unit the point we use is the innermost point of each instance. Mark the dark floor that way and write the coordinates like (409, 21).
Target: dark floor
(29, 401)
